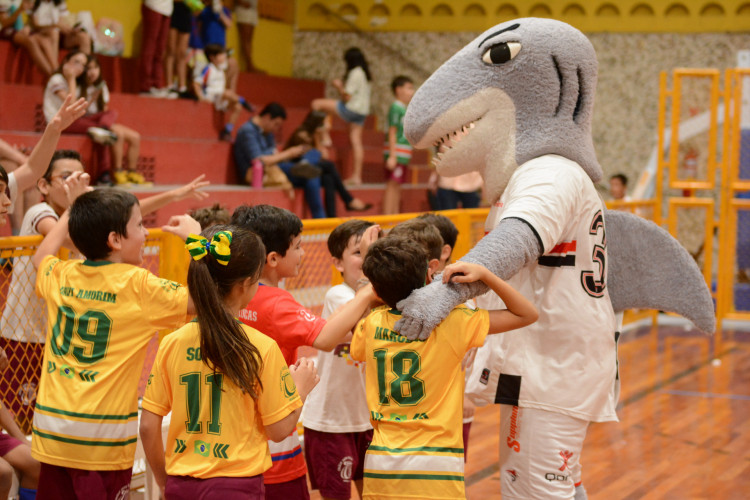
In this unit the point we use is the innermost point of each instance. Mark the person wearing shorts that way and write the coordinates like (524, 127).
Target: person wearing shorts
(180, 26)
(246, 12)
(15, 458)
(397, 151)
(337, 421)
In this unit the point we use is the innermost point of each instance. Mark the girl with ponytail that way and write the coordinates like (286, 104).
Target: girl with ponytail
(226, 384)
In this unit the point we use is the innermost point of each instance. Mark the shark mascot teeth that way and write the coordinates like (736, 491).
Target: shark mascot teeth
(516, 105)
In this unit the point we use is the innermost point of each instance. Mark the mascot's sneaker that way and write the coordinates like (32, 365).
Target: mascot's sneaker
(102, 135)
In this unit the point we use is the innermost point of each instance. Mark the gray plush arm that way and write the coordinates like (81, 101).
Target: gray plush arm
(508, 248)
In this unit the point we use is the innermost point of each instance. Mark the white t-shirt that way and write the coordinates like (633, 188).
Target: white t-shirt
(93, 103)
(211, 79)
(566, 362)
(25, 318)
(338, 404)
(163, 7)
(52, 102)
(358, 87)
(49, 14)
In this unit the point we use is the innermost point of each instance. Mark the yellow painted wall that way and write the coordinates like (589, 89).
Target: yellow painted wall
(272, 44)
(679, 16)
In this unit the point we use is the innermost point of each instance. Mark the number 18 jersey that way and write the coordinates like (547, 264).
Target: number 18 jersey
(101, 317)
(415, 397)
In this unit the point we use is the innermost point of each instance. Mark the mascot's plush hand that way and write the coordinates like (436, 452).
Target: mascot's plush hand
(504, 251)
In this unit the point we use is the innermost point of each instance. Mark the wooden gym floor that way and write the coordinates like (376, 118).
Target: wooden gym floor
(684, 430)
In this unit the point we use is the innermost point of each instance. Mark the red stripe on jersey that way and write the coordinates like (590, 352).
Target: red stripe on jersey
(564, 247)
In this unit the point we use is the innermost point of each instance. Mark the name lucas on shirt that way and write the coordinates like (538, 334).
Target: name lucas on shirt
(69, 291)
(248, 315)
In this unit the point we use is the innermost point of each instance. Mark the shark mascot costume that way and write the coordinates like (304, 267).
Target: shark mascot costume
(516, 105)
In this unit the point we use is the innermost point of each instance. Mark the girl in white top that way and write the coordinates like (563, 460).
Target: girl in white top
(353, 107)
(97, 95)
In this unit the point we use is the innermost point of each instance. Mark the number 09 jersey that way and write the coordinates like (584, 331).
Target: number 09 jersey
(566, 362)
(415, 396)
(101, 317)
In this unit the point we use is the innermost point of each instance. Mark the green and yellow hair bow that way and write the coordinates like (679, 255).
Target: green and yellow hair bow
(199, 247)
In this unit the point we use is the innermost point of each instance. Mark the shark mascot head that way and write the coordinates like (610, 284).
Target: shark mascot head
(520, 90)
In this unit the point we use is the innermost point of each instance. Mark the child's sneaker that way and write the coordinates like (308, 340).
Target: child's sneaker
(121, 178)
(102, 135)
(137, 178)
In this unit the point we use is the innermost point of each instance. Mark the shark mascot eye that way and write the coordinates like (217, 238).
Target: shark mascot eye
(501, 53)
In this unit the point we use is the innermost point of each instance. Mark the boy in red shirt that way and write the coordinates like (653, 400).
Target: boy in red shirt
(277, 314)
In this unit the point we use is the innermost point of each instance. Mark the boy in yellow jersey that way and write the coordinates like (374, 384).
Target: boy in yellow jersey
(415, 388)
(102, 313)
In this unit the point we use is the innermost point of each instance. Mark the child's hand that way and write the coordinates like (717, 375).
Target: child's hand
(469, 408)
(182, 226)
(192, 189)
(369, 237)
(391, 162)
(3, 361)
(77, 184)
(68, 113)
(464, 272)
(305, 376)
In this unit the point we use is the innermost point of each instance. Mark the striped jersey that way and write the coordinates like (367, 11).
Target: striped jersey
(101, 317)
(403, 147)
(216, 430)
(415, 398)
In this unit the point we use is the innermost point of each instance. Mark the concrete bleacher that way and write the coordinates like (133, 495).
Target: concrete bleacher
(180, 137)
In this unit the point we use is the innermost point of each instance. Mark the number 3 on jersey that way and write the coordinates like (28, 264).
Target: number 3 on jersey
(406, 389)
(594, 282)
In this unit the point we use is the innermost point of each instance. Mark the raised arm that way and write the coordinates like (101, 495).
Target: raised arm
(519, 310)
(508, 248)
(28, 173)
(75, 185)
(193, 188)
(345, 319)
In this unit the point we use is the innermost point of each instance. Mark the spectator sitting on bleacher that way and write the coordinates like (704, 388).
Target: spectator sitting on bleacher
(209, 84)
(64, 82)
(309, 134)
(96, 91)
(50, 20)
(256, 140)
(13, 29)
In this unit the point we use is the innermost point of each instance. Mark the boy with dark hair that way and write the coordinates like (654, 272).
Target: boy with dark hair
(427, 236)
(448, 231)
(337, 422)
(276, 313)
(209, 216)
(618, 187)
(414, 388)
(397, 148)
(102, 313)
(209, 84)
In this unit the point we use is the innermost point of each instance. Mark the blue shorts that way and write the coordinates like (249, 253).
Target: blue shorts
(349, 116)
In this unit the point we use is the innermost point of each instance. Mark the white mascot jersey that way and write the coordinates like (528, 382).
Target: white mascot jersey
(566, 365)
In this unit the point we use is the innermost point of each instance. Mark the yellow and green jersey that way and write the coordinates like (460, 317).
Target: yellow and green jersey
(415, 397)
(101, 317)
(216, 430)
